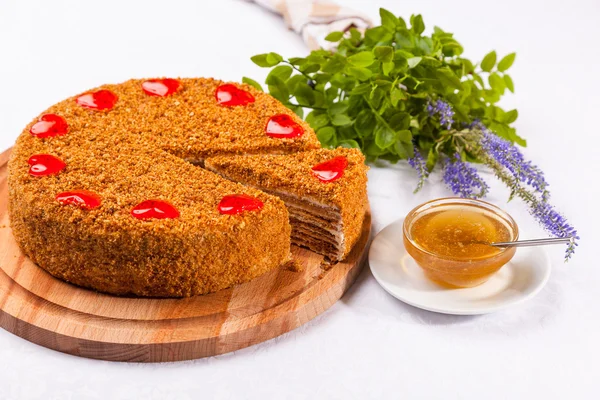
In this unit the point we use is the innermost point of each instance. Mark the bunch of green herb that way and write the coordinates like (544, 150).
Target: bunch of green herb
(397, 94)
(373, 91)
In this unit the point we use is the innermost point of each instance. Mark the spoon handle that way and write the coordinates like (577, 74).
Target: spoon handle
(533, 242)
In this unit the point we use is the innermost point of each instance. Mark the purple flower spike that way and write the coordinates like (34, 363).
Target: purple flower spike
(419, 165)
(513, 160)
(555, 224)
(463, 179)
(443, 110)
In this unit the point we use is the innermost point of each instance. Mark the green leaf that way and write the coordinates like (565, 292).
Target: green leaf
(510, 116)
(509, 83)
(299, 111)
(362, 59)
(310, 68)
(377, 35)
(413, 62)
(371, 149)
(267, 60)
(387, 67)
(388, 19)
(252, 83)
(432, 158)
(362, 74)
(350, 144)
(283, 72)
(417, 24)
(496, 82)
(334, 65)
(304, 94)
(341, 120)
(338, 108)
(396, 95)
(448, 78)
(363, 88)
(400, 121)
(404, 40)
(506, 62)
(326, 134)
(488, 61)
(297, 61)
(404, 150)
(364, 123)
(294, 81)
(318, 121)
(401, 23)
(405, 136)
(334, 36)
(384, 53)
(279, 89)
(355, 35)
(384, 136)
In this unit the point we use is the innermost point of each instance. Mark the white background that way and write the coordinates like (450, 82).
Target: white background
(368, 345)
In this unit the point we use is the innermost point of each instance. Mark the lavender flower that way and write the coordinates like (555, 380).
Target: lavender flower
(548, 217)
(418, 163)
(463, 179)
(513, 160)
(555, 224)
(443, 110)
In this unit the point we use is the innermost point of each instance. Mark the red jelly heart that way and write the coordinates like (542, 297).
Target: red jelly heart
(81, 198)
(331, 170)
(157, 209)
(238, 203)
(45, 164)
(283, 126)
(231, 95)
(100, 100)
(160, 87)
(49, 125)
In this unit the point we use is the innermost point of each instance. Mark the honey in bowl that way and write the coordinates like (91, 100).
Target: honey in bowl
(449, 239)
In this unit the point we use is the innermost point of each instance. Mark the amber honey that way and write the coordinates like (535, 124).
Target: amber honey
(449, 239)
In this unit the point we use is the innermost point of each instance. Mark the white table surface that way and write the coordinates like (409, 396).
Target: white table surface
(368, 345)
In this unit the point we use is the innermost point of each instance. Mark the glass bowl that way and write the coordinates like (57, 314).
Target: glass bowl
(459, 271)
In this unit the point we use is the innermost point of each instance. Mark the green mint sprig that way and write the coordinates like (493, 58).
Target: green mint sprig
(372, 92)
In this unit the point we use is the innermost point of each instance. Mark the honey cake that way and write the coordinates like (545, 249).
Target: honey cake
(100, 193)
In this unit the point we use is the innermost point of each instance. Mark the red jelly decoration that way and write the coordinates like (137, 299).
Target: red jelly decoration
(45, 164)
(49, 125)
(283, 126)
(81, 198)
(157, 209)
(331, 170)
(100, 100)
(160, 87)
(231, 95)
(238, 203)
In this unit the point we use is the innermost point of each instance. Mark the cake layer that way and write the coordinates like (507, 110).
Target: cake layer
(318, 231)
(333, 221)
(318, 246)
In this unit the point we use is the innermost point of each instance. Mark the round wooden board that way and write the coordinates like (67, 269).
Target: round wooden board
(47, 311)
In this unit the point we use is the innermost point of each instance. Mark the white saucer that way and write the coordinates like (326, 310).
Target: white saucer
(519, 280)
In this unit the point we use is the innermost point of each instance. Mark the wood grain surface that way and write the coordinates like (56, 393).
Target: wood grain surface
(47, 311)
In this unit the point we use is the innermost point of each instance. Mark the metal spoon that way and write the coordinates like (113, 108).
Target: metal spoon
(534, 242)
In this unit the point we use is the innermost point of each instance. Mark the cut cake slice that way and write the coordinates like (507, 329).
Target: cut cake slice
(325, 192)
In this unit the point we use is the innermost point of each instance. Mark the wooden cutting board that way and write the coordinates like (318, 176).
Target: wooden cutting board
(47, 311)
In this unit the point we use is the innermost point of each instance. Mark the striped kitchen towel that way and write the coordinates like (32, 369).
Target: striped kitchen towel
(315, 19)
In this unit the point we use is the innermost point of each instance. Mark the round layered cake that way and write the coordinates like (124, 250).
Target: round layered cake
(104, 192)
